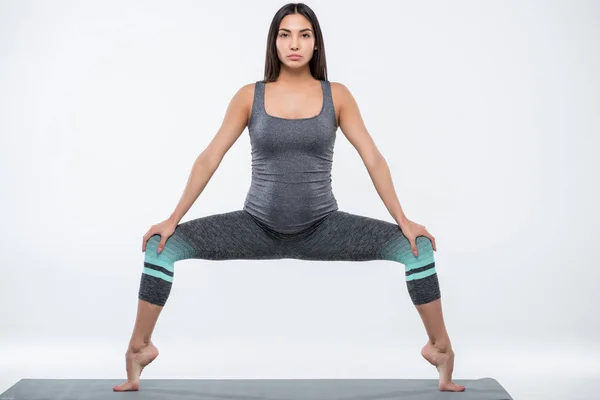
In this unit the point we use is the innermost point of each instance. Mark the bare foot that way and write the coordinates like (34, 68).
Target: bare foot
(135, 361)
(444, 362)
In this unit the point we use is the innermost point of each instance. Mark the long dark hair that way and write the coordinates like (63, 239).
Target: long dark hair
(317, 64)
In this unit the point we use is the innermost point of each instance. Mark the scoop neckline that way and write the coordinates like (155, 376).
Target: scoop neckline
(321, 81)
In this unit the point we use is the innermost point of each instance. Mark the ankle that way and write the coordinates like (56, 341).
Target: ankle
(443, 346)
(137, 346)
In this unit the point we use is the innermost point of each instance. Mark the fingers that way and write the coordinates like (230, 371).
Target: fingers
(420, 231)
(430, 236)
(161, 245)
(153, 231)
(413, 246)
(146, 237)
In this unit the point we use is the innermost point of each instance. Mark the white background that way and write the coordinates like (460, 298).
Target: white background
(486, 112)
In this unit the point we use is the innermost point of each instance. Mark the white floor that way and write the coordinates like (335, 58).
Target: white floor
(535, 375)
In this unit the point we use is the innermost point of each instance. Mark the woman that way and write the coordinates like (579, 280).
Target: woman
(290, 211)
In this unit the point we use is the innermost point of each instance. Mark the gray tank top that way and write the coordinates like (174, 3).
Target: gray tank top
(291, 166)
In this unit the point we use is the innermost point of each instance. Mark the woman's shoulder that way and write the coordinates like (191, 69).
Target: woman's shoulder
(249, 86)
(247, 90)
(340, 93)
(244, 97)
(338, 86)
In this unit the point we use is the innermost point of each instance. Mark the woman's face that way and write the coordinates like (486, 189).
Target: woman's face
(295, 36)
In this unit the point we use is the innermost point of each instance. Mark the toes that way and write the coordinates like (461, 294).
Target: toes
(451, 387)
(120, 388)
(126, 386)
(457, 388)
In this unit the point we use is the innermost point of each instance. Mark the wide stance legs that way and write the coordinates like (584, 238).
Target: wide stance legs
(339, 236)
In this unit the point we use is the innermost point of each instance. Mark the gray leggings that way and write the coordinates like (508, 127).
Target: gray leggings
(340, 236)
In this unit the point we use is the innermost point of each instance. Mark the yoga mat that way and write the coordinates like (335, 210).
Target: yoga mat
(255, 389)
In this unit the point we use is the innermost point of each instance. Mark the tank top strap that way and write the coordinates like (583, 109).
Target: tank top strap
(258, 110)
(259, 92)
(328, 99)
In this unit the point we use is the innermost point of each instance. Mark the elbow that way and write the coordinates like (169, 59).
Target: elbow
(373, 159)
(209, 160)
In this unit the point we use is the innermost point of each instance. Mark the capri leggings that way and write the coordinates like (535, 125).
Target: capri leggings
(339, 236)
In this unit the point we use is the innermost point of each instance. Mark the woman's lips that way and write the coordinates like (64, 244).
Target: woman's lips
(294, 57)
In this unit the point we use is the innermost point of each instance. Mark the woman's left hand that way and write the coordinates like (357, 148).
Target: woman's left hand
(411, 230)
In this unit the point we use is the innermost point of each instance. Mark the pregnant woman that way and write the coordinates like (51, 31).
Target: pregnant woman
(290, 211)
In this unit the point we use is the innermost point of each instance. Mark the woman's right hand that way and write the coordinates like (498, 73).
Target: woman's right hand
(164, 229)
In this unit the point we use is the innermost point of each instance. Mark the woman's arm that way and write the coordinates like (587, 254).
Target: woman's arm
(353, 127)
(234, 123)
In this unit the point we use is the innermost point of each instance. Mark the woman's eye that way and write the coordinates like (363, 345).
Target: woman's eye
(306, 35)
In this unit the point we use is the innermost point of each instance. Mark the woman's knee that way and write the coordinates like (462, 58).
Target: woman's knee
(176, 248)
(158, 270)
(424, 246)
(421, 275)
(400, 250)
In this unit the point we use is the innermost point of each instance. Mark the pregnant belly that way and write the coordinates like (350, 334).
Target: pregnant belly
(289, 207)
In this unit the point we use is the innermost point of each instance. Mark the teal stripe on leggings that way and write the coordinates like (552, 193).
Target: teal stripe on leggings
(398, 249)
(176, 249)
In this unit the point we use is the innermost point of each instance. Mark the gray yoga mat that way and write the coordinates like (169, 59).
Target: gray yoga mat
(255, 389)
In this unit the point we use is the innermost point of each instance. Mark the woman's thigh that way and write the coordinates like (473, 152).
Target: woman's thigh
(225, 236)
(344, 236)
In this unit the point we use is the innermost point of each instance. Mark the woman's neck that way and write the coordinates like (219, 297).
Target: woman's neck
(295, 77)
